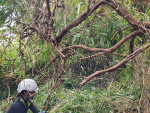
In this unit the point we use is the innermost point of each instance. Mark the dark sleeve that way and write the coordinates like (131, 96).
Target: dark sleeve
(33, 108)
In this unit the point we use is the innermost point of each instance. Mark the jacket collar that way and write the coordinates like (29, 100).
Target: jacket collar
(26, 104)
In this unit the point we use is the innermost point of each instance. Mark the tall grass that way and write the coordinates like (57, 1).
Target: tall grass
(118, 97)
(123, 96)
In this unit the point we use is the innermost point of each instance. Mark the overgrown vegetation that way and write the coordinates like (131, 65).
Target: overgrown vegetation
(61, 44)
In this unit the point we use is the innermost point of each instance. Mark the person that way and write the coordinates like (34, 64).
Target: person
(26, 91)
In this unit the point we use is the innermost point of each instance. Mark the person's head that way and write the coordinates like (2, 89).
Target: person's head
(27, 88)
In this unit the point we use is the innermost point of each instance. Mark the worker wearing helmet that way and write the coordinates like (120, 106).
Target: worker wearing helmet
(26, 90)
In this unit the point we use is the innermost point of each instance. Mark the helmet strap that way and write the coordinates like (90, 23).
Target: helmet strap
(25, 97)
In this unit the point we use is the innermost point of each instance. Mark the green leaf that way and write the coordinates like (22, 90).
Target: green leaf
(79, 5)
(147, 13)
(5, 4)
(2, 2)
(73, 2)
(140, 39)
(129, 2)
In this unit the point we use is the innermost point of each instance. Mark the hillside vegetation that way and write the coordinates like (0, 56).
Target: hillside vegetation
(86, 56)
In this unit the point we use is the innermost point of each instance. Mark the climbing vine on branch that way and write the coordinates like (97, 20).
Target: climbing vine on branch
(55, 23)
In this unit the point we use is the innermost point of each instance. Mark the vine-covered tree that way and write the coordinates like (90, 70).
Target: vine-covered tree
(44, 34)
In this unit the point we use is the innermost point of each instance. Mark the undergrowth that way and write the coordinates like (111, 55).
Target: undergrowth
(91, 99)
(118, 97)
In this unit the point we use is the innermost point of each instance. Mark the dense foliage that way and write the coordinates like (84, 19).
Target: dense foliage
(26, 53)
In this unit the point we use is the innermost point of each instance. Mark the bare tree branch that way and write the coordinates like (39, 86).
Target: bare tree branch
(89, 49)
(115, 5)
(101, 53)
(97, 73)
(120, 55)
(57, 82)
(77, 21)
(48, 9)
(121, 10)
(131, 45)
(120, 31)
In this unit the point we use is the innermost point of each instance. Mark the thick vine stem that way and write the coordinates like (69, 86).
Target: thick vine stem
(95, 55)
(120, 31)
(119, 8)
(98, 73)
(112, 49)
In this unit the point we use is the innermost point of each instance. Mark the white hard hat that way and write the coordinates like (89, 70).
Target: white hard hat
(27, 84)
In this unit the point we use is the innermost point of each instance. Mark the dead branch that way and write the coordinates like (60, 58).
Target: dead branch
(48, 8)
(120, 31)
(89, 49)
(101, 53)
(120, 55)
(77, 21)
(89, 57)
(97, 73)
(131, 45)
(121, 10)
(54, 9)
(57, 82)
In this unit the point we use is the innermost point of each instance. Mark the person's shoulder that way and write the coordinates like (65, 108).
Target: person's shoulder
(17, 100)
(17, 107)
(15, 104)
